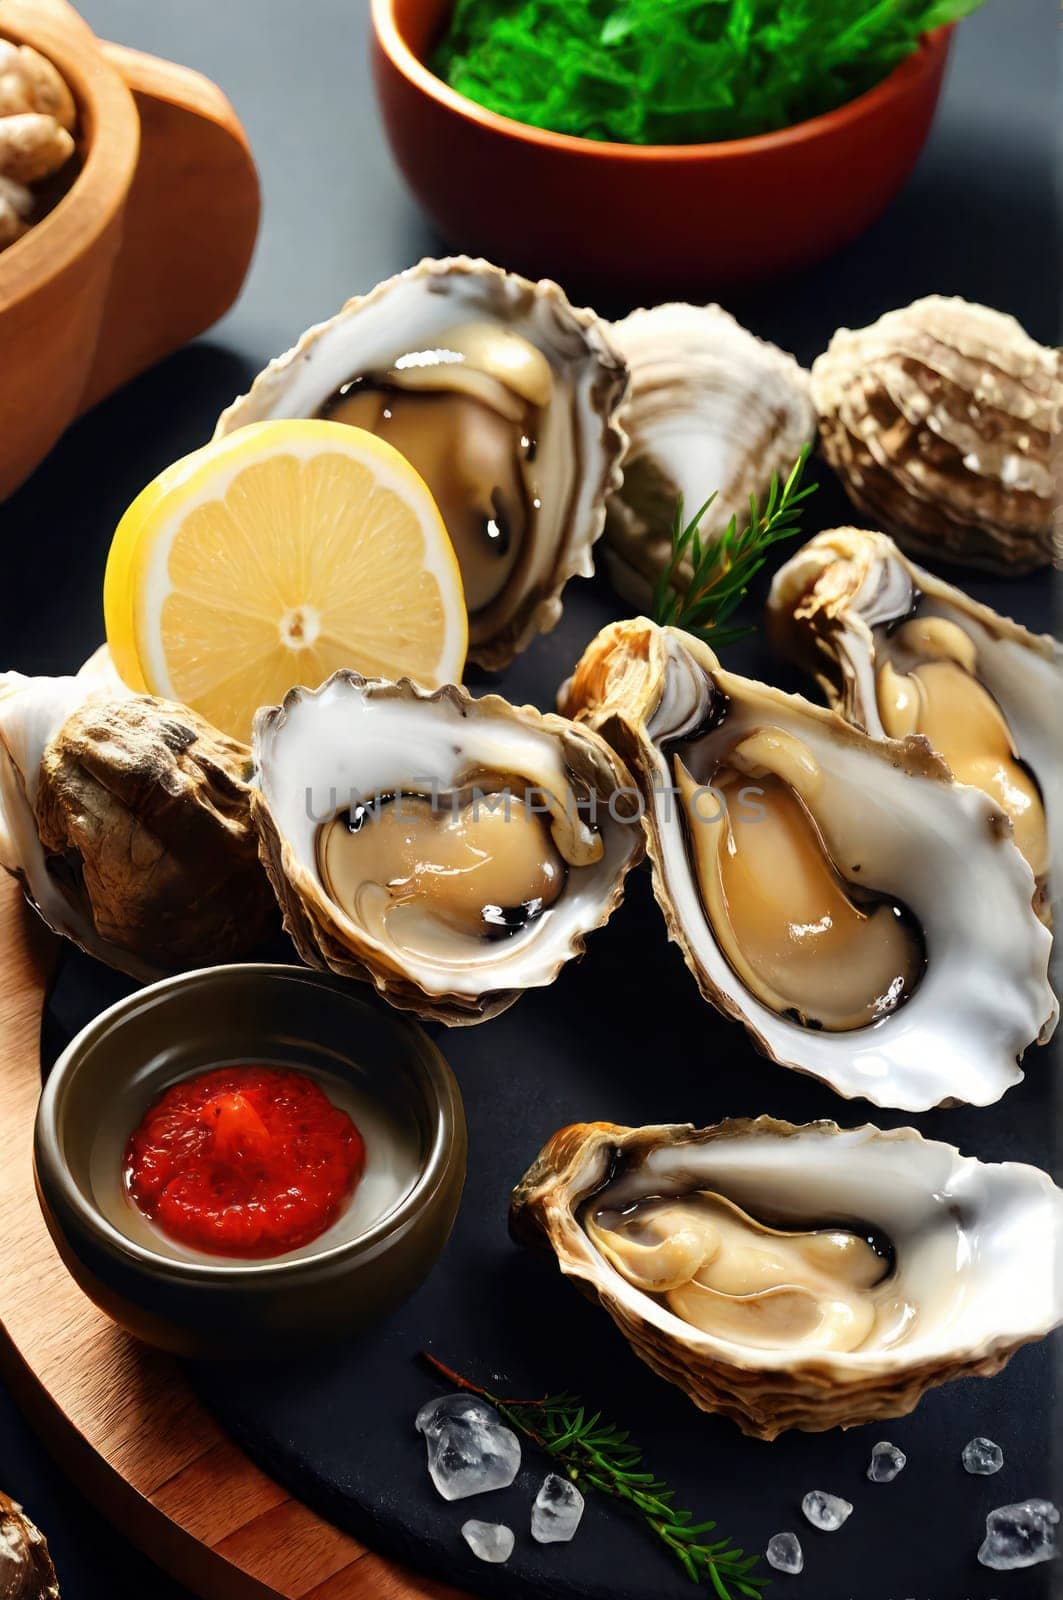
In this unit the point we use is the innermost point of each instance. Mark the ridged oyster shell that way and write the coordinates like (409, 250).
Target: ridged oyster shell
(369, 738)
(712, 409)
(894, 821)
(579, 453)
(128, 822)
(834, 608)
(978, 1251)
(941, 420)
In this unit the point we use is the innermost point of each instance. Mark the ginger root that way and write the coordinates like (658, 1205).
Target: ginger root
(29, 82)
(37, 118)
(32, 146)
(16, 207)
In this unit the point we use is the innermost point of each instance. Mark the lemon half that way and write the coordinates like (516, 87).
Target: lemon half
(273, 556)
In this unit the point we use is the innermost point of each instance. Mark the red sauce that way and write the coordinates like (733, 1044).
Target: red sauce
(244, 1161)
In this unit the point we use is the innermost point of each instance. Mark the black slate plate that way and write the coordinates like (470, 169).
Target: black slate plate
(624, 1037)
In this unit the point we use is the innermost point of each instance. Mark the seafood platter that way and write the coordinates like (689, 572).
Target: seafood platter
(338, 815)
(756, 1156)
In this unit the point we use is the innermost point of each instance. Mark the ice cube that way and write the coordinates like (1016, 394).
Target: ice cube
(981, 1458)
(557, 1510)
(784, 1553)
(470, 1451)
(1019, 1536)
(488, 1541)
(887, 1462)
(826, 1512)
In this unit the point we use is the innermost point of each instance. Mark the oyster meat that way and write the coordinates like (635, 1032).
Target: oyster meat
(452, 851)
(503, 396)
(800, 1277)
(128, 821)
(941, 420)
(866, 917)
(712, 410)
(898, 651)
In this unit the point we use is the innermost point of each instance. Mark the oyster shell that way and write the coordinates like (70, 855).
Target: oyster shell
(505, 399)
(873, 925)
(511, 841)
(896, 649)
(969, 1261)
(712, 409)
(128, 821)
(941, 420)
(26, 1570)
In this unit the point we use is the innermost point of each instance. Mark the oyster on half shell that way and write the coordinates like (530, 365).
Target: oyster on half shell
(898, 651)
(503, 396)
(127, 820)
(452, 851)
(942, 420)
(800, 1277)
(712, 410)
(866, 917)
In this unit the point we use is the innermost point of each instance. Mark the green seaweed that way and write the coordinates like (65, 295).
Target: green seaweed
(678, 71)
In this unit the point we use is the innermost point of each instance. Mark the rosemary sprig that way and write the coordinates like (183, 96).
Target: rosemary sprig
(724, 568)
(595, 1453)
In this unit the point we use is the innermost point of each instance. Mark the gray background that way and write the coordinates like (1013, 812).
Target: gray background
(978, 217)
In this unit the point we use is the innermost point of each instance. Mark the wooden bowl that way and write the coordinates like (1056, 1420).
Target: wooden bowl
(654, 217)
(147, 248)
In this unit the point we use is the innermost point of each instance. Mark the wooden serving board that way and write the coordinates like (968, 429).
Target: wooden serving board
(121, 1419)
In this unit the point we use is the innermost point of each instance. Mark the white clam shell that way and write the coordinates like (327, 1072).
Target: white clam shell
(581, 446)
(979, 1252)
(847, 582)
(368, 738)
(899, 823)
(712, 410)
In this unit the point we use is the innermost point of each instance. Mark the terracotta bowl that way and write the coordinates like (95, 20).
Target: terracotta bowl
(378, 1065)
(147, 247)
(658, 216)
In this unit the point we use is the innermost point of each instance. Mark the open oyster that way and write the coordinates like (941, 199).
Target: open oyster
(712, 409)
(941, 420)
(452, 851)
(898, 651)
(128, 821)
(503, 396)
(800, 1277)
(866, 917)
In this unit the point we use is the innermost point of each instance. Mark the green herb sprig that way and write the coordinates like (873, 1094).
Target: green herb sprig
(594, 1453)
(724, 568)
(678, 71)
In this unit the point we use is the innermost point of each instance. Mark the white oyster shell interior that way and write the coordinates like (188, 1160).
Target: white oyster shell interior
(937, 847)
(362, 739)
(832, 602)
(978, 1246)
(578, 447)
(895, 823)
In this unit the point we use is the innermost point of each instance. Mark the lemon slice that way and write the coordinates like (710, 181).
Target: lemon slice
(271, 558)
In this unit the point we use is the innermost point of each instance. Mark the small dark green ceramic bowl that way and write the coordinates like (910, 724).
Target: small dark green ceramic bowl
(380, 1067)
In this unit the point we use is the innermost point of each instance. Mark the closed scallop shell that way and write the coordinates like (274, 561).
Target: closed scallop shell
(942, 420)
(712, 410)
